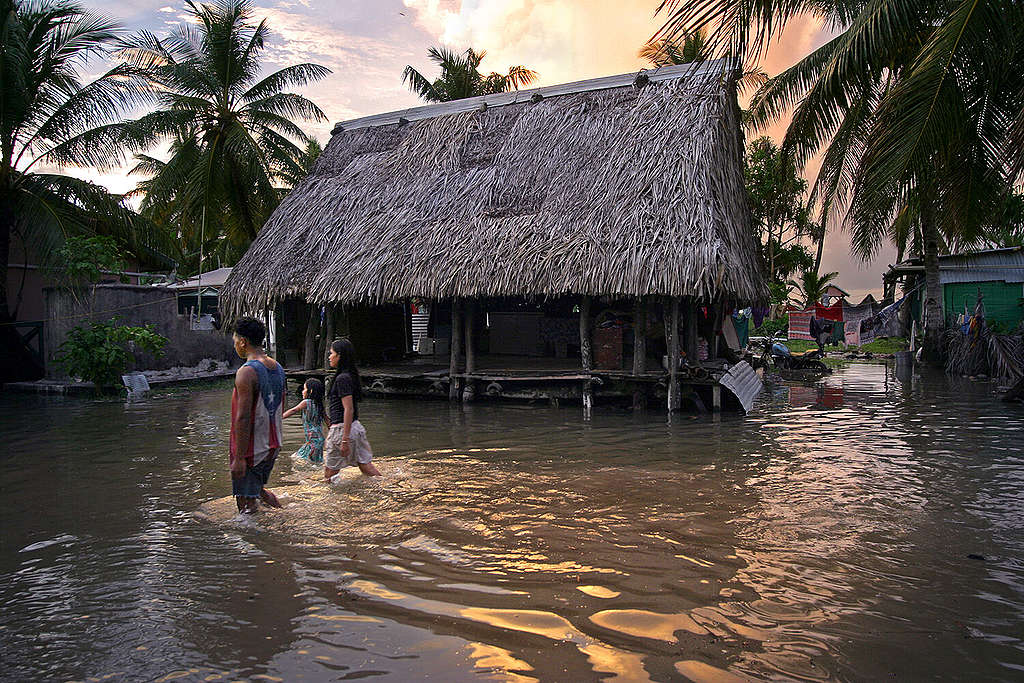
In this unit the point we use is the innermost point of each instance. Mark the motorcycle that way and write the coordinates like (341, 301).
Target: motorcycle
(784, 359)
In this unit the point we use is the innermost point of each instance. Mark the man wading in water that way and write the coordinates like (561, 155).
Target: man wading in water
(257, 405)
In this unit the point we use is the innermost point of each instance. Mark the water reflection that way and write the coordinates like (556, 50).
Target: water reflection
(863, 527)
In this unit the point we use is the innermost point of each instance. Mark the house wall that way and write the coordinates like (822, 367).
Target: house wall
(27, 283)
(1002, 300)
(133, 305)
(377, 332)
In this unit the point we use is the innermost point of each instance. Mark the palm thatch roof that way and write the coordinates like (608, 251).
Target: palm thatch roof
(622, 185)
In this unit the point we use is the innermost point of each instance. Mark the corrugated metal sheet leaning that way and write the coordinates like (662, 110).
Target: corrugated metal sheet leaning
(744, 383)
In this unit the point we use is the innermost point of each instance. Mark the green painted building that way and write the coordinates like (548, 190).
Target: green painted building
(998, 274)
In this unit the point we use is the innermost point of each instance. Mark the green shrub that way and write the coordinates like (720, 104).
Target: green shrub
(86, 259)
(770, 327)
(100, 352)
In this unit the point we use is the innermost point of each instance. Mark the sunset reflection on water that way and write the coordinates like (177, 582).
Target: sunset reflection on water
(828, 535)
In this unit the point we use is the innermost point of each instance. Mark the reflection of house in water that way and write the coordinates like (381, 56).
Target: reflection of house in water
(817, 395)
(572, 238)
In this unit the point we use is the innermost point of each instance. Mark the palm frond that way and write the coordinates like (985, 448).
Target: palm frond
(419, 84)
(296, 75)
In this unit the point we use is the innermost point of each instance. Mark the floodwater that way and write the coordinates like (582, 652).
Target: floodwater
(862, 528)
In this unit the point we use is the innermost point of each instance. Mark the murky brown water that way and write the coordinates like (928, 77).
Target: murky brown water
(826, 536)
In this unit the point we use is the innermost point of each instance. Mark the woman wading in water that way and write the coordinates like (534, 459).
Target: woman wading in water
(346, 442)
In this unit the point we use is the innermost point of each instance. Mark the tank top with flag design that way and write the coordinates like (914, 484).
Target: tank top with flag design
(266, 413)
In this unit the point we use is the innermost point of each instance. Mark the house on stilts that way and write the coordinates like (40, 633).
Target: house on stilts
(568, 242)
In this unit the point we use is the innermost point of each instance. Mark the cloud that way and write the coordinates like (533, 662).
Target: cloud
(568, 40)
(367, 45)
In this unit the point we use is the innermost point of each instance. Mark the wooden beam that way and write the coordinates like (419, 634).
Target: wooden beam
(456, 342)
(690, 344)
(672, 339)
(639, 348)
(309, 345)
(716, 333)
(639, 336)
(586, 359)
(329, 335)
(468, 392)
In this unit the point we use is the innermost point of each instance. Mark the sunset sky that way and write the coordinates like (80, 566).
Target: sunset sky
(367, 44)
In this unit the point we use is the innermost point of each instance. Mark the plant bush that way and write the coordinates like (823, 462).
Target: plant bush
(86, 259)
(770, 327)
(100, 352)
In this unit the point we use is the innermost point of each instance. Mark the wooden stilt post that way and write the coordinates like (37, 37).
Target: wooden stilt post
(469, 390)
(673, 353)
(719, 307)
(639, 350)
(585, 356)
(690, 340)
(309, 345)
(329, 336)
(456, 343)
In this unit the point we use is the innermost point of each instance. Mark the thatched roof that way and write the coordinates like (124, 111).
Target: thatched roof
(614, 186)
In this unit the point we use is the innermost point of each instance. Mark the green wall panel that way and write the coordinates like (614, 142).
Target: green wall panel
(1002, 299)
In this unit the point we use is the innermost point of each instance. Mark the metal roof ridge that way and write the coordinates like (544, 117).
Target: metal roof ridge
(665, 73)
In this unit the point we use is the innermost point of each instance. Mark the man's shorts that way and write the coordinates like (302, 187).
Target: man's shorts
(359, 447)
(255, 478)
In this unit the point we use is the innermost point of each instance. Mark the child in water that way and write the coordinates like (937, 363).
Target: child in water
(313, 418)
(346, 442)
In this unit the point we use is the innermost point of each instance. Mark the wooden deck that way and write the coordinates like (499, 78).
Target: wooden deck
(529, 378)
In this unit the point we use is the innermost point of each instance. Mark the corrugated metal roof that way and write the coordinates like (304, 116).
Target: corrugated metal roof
(997, 264)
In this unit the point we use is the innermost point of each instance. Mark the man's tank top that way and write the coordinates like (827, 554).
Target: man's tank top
(267, 412)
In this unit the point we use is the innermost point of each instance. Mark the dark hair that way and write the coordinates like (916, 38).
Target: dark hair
(347, 363)
(252, 329)
(316, 396)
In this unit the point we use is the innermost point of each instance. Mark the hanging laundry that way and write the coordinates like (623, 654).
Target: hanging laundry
(834, 312)
(852, 316)
(728, 332)
(800, 324)
(838, 333)
(742, 324)
(759, 314)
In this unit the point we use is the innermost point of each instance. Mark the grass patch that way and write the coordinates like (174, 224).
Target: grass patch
(884, 345)
(800, 345)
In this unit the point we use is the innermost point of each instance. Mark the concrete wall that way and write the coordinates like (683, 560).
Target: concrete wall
(134, 305)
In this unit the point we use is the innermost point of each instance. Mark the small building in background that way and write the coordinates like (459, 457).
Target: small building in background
(832, 295)
(998, 274)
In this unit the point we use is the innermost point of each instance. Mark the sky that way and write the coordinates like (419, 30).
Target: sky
(367, 44)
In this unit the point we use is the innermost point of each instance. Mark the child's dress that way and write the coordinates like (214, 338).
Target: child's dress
(313, 425)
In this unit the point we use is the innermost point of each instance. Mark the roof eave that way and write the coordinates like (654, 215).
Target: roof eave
(666, 73)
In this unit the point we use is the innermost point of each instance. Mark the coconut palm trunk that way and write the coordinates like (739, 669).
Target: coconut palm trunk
(933, 308)
(6, 228)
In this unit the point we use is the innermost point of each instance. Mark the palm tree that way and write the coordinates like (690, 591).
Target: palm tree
(918, 105)
(812, 287)
(693, 46)
(232, 134)
(460, 77)
(303, 166)
(49, 119)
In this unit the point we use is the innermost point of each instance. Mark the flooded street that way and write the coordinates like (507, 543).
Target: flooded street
(859, 529)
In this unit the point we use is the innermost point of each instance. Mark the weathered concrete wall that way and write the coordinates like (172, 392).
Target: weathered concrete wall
(133, 305)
